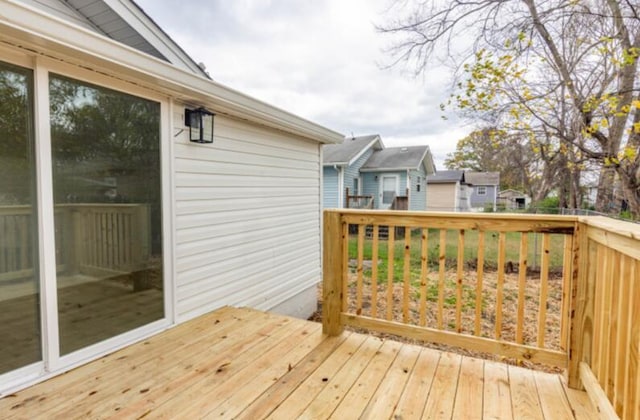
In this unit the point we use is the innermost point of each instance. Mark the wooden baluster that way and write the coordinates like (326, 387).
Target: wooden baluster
(459, 278)
(605, 329)
(424, 264)
(359, 267)
(345, 267)
(623, 333)
(406, 275)
(613, 324)
(632, 381)
(544, 288)
(441, 276)
(500, 284)
(479, 280)
(374, 272)
(567, 269)
(390, 266)
(522, 281)
(600, 270)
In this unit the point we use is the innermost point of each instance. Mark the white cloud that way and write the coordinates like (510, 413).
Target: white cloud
(319, 60)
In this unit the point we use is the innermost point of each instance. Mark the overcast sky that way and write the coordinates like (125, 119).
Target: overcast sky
(319, 59)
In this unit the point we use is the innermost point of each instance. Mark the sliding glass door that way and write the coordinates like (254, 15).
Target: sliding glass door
(20, 343)
(102, 209)
(106, 190)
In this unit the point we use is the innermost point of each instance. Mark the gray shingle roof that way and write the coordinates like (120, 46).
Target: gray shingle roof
(446, 177)
(394, 158)
(342, 154)
(483, 178)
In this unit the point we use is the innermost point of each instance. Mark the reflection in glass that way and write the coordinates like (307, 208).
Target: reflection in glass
(19, 292)
(106, 184)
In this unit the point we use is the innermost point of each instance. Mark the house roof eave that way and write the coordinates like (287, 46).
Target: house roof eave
(35, 31)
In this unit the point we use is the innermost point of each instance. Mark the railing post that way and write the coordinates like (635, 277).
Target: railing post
(582, 304)
(332, 281)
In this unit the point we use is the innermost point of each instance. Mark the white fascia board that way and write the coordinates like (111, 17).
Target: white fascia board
(41, 33)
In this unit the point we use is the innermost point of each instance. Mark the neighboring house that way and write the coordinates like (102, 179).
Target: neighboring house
(341, 165)
(396, 177)
(484, 189)
(114, 226)
(361, 172)
(448, 191)
(513, 200)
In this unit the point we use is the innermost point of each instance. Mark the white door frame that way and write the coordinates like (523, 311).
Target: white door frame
(52, 362)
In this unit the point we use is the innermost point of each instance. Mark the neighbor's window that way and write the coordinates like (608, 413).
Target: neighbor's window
(482, 191)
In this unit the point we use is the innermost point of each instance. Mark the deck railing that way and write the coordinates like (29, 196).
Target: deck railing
(91, 239)
(556, 290)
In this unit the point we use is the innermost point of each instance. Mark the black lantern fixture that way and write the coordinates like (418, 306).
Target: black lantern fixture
(200, 123)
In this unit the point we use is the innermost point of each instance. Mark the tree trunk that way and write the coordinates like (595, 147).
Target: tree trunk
(604, 201)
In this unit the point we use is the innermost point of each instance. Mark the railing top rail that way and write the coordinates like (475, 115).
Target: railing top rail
(462, 215)
(450, 220)
(619, 227)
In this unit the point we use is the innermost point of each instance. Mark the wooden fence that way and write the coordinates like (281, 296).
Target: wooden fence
(90, 239)
(556, 290)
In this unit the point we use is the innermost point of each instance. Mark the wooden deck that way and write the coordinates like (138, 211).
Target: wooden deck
(242, 363)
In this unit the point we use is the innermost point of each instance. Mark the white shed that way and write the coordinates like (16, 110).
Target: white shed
(113, 225)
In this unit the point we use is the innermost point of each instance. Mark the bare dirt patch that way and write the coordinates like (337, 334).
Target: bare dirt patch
(488, 296)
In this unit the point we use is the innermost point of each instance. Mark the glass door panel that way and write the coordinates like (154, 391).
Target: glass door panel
(106, 187)
(20, 342)
(389, 184)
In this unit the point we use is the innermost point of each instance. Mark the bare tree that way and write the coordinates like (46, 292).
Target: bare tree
(565, 72)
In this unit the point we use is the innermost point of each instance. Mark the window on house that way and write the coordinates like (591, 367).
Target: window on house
(481, 191)
(356, 186)
(418, 184)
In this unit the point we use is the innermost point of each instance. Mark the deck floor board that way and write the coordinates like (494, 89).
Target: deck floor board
(247, 364)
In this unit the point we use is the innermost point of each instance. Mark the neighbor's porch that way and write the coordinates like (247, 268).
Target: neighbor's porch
(242, 363)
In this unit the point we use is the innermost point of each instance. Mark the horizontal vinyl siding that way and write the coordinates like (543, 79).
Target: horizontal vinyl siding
(418, 199)
(441, 197)
(247, 218)
(480, 201)
(353, 171)
(370, 187)
(329, 187)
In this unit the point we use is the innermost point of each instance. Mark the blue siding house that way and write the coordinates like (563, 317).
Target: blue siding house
(361, 172)
(484, 190)
(341, 165)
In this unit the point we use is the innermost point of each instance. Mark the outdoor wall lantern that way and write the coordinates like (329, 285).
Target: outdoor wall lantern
(200, 123)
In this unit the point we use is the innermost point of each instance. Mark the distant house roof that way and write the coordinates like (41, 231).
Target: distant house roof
(511, 193)
(483, 178)
(447, 177)
(350, 149)
(400, 158)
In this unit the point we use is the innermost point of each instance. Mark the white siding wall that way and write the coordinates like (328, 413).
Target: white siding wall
(59, 9)
(247, 218)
